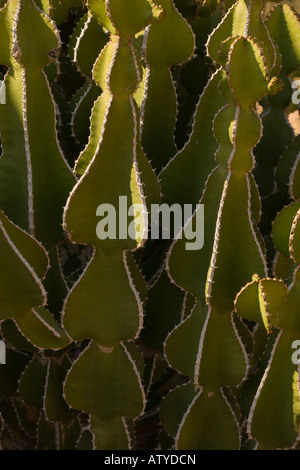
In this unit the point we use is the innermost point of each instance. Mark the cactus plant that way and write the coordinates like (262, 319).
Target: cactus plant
(132, 340)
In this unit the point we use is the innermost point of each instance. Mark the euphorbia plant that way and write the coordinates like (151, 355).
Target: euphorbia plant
(133, 342)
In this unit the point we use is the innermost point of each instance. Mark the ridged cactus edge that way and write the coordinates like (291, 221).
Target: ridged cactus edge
(123, 325)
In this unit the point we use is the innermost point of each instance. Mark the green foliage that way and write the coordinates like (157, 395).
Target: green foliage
(131, 342)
